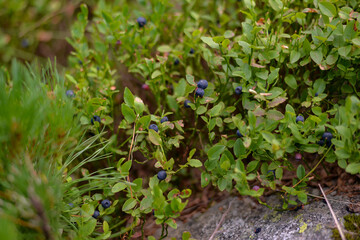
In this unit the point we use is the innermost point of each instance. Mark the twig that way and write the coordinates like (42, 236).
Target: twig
(333, 214)
(130, 154)
(221, 221)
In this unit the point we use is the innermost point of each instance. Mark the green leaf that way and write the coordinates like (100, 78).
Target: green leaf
(327, 9)
(209, 41)
(88, 227)
(294, 56)
(201, 110)
(155, 74)
(300, 172)
(353, 168)
(164, 48)
(105, 226)
(128, 113)
(302, 197)
(274, 115)
(239, 148)
(128, 97)
(186, 236)
(190, 79)
(215, 151)
(316, 56)
(129, 204)
(154, 137)
(277, 5)
(217, 109)
(252, 166)
(195, 163)
(291, 81)
(356, 41)
(118, 187)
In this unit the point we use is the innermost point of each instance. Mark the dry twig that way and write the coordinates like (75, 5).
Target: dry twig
(333, 215)
(221, 221)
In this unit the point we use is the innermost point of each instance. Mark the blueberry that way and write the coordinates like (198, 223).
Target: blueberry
(164, 119)
(96, 214)
(298, 156)
(199, 92)
(70, 93)
(238, 90)
(327, 136)
(105, 203)
(202, 84)
(80, 62)
(316, 94)
(176, 62)
(192, 51)
(154, 127)
(95, 118)
(257, 230)
(299, 118)
(71, 204)
(186, 103)
(321, 142)
(25, 43)
(141, 21)
(328, 143)
(238, 133)
(161, 175)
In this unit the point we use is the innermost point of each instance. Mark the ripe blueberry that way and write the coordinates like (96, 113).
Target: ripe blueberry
(80, 62)
(71, 204)
(327, 136)
(154, 127)
(95, 118)
(176, 62)
(298, 156)
(164, 119)
(238, 133)
(238, 90)
(141, 21)
(257, 230)
(96, 214)
(105, 203)
(316, 94)
(25, 43)
(299, 118)
(192, 51)
(186, 103)
(321, 142)
(70, 93)
(161, 175)
(202, 84)
(199, 92)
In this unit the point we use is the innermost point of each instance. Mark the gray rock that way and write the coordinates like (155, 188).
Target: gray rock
(313, 221)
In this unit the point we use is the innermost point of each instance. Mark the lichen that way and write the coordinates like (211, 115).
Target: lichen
(352, 228)
(318, 227)
(303, 227)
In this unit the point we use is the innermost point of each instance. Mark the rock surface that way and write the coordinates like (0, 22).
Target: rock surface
(245, 215)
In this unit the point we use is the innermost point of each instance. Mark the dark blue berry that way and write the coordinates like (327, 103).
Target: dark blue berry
(192, 51)
(273, 171)
(186, 103)
(95, 118)
(199, 92)
(176, 62)
(161, 175)
(80, 62)
(96, 214)
(327, 136)
(299, 118)
(257, 230)
(141, 21)
(238, 133)
(321, 142)
(154, 127)
(328, 142)
(238, 90)
(105, 203)
(70, 93)
(164, 119)
(25, 43)
(71, 204)
(202, 84)
(316, 94)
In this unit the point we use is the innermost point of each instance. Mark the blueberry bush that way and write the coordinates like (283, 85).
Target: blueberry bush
(241, 91)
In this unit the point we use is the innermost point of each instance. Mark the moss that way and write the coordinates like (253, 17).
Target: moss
(303, 227)
(352, 228)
